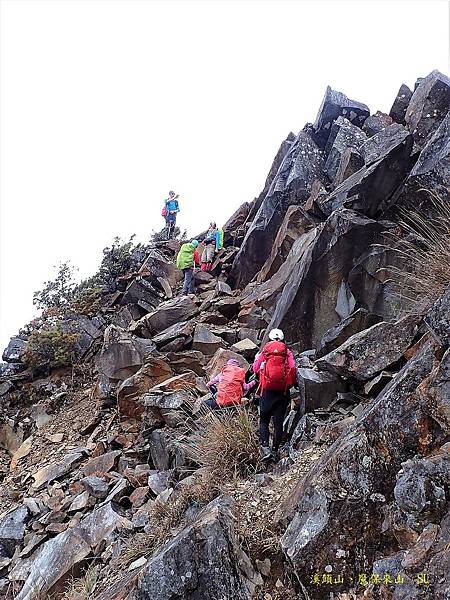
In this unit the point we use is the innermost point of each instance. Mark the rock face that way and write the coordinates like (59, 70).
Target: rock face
(302, 164)
(388, 159)
(347, 488)
(438, 319)
(365, 354)
(122, 354)
(354, 323)
(317, 262)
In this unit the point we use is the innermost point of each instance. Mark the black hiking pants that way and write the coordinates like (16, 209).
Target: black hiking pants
(273, 405)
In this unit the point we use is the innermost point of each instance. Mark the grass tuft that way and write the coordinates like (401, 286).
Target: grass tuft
(224, 443)
(424, 250)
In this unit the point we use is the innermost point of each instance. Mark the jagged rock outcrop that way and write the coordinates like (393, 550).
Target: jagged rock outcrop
(428, 106)
(335, 105)
(356, 478)
(365, 354)
(301, 166)
(200, 562)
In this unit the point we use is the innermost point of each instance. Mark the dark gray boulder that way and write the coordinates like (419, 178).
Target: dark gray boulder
(376, 123)
(368, 352)
(317, 389)
(12, 529)
(168, 313)
(89, 332)
(343, 135)
(335, 104)
(184, 330)
(398, 109)
(123, 354)
(430, 176)
(201, 562)
(358, 321)
(350, 162)
(382, 143)
(143, 293)
(157, 265)
(205, 341)
(428, 106)
(13, 352)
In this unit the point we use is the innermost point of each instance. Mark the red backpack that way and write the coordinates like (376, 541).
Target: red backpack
(230, 388)
(276, 374)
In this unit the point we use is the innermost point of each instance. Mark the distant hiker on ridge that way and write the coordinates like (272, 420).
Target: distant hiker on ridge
(215, 235)
(187, 259)
(277, 374)
(207, 255)
(231, 386)
(169, 212)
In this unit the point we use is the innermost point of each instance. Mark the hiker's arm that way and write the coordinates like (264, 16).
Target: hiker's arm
(291, 361)
(214, 381)
(249, 386)
(257, 364)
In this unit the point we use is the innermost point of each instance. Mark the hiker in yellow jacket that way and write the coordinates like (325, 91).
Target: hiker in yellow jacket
(187, 259)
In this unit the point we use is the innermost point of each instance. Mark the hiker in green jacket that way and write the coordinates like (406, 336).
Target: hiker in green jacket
(187, 259)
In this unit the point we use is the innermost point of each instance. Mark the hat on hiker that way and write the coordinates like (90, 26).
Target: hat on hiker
(194, 243)
(233, 361)
(276, 334)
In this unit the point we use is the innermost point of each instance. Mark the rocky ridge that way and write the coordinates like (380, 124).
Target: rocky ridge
(97, 482)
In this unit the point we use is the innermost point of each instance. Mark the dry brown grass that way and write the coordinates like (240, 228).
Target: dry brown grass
(82, 588)
(423, 247)
(224, 443)
(166, 517)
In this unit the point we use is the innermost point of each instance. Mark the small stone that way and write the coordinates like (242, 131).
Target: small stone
(55, 438)
(140, 562)
(95, 486)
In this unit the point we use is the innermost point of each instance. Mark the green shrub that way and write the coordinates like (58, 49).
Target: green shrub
(50, 346)
(117, 259)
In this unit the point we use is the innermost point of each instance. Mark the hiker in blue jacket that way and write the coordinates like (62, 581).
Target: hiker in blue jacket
(169, 212)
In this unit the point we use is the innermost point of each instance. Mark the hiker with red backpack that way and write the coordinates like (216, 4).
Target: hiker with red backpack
(277, 374)
(231, 386)
(169, 212)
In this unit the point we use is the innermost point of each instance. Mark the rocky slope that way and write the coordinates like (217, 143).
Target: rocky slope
(101, 495)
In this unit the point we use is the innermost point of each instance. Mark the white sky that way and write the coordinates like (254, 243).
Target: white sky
(106, 105)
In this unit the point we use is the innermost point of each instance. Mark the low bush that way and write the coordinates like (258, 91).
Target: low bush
(50, 346)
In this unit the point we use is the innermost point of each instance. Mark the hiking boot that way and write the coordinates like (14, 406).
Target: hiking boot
(265, 453)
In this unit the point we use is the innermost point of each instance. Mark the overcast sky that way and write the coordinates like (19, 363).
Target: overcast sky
(106, 105)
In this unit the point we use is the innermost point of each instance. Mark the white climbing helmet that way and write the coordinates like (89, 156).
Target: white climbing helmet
(276, 334)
